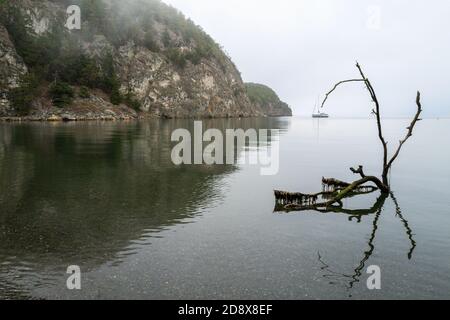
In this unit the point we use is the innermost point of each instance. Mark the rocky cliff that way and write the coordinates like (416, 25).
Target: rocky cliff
(266, 100)
(12, 68)
(130, 58)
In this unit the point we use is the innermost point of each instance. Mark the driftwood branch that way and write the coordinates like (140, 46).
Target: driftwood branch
(287, 202)
(301, 202)
(334, 190)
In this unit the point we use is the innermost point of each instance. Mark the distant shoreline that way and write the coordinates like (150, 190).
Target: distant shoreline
(58, 119)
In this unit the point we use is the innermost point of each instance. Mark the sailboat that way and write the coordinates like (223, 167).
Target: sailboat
(319, 114)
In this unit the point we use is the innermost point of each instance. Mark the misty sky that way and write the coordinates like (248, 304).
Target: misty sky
(302, 47)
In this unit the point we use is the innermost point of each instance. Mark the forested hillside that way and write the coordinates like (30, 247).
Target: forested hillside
(140, 55)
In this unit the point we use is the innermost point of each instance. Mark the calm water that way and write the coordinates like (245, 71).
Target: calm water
(106, 197)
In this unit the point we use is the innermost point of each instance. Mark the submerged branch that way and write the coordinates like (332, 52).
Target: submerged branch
(335, 192)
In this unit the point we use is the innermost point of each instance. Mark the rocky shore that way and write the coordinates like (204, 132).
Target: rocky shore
(91, 109)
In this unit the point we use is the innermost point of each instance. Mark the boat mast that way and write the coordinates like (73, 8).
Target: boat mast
(316, 105)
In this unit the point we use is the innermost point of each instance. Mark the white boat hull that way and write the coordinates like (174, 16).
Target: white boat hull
(321, 115)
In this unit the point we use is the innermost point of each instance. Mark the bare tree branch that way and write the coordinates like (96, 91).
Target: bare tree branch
(376, 111)
(409, 133)
(336, 86)
(359, 171)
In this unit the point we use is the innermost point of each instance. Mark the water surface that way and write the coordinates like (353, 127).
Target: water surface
(106, 197)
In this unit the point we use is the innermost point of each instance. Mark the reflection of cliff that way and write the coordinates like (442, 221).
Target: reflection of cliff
(84, 192)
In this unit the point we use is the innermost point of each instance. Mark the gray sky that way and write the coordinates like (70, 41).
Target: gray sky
(302, 47)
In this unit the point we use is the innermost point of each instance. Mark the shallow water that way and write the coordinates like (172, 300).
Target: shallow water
(106, 197)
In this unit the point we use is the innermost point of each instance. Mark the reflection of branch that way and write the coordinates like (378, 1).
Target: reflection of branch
(331, 273)
(376, 209)
(358, 213)
(406, 224)
(367, 254)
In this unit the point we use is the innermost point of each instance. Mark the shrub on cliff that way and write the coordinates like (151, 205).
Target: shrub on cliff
(177, 57)
(132, 102)
(150, 41)
(61, 94)
(110, 81)
(116, 98)
(84, 93)
(22, 97)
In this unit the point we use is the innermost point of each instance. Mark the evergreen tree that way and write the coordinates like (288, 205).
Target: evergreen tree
(23, 96)
(111, 83)
(61, 93)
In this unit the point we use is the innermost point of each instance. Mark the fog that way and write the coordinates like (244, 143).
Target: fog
(301, 48)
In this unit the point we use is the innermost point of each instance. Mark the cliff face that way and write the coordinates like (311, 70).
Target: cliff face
(137, 55)
(202, 90)
(265, 99)
(12, 68)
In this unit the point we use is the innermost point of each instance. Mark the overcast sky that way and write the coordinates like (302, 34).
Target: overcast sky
(302, 47)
